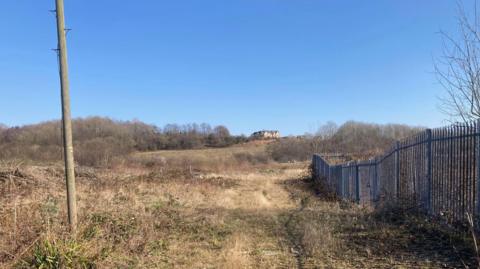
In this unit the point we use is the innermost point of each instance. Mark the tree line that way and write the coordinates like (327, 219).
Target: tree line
(356, 140)
(97, 140)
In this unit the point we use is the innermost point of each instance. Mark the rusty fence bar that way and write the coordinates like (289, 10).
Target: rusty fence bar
(436, 171)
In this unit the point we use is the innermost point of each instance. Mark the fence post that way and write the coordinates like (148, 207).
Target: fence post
(375, 180)
(329, 176)
(357, 183)
(397, 170)
(313, 167)
(322, 167)
(346, 182)
(338, 175)
(325, 173)
(317, 161)
(429, 171)
(477, 167)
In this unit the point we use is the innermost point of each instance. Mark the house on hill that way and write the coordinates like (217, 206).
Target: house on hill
(263, 135)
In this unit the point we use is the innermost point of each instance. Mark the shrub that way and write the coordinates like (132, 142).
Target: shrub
(291, 149)
(98, 141)
(353, 139)
(250, 158)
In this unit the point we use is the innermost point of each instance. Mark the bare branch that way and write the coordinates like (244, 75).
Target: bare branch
(458, 69)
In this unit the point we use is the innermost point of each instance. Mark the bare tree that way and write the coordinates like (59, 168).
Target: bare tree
(458, 69)
(327, 130)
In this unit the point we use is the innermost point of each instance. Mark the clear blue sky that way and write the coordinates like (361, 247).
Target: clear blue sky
(248, 64)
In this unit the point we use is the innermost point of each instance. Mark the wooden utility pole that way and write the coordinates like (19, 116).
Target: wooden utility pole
(66, 117)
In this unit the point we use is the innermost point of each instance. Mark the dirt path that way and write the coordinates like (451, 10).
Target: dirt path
(261, 208)
(280, 222)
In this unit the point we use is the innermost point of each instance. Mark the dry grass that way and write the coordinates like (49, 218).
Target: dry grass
(145, 216)
(336, 234)
(219, 211)
(236, 158)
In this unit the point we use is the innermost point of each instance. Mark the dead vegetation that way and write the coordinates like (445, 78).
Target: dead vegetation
(337, 234)
(204, 209)
(236, 158)
(101, 142)
(355, 140)
(148, 212)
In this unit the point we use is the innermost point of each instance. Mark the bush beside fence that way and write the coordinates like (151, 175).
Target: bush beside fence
(435, 171)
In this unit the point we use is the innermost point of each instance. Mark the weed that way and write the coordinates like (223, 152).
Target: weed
(50, 210)
(46, 255)
(52, 253)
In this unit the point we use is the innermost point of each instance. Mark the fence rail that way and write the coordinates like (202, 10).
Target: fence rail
(436, 171)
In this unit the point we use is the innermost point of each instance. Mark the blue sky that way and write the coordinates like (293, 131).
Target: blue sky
(249, 64)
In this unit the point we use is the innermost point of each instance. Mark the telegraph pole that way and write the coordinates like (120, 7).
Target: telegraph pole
(66, 117)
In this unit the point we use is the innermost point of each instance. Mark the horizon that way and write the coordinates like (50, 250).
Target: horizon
(246, 65)
(213, 125)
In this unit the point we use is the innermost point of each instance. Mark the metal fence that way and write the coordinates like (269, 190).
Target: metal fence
(436, 171)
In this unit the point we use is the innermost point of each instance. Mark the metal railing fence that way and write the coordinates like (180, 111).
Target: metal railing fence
(436, 171)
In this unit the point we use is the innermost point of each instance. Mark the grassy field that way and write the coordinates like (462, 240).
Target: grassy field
(247, 148)
(238, 157)
(212, 208)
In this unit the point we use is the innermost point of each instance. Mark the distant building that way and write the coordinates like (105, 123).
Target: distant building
(265, 135)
